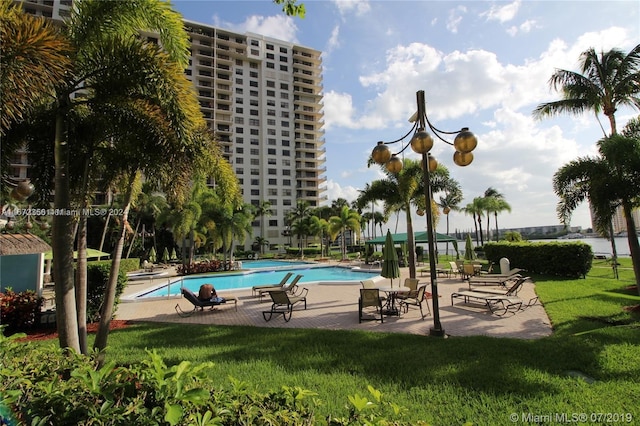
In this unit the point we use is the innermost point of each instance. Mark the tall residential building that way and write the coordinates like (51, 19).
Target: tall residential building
(263, 99)
(618, 221)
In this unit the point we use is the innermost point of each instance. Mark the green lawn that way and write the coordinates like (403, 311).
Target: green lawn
(590, 365)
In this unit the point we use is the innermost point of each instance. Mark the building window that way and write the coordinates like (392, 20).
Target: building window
(286, 182)
(255, 172)
(283, 59)
(286, 163)
(283, 50)
(271, 122)
(273, 181)
(255, 43)
(269, 46)
(271, 161)
(286, 192)
(239, 140)
(271, 93)
(255, 162)
(271, 151)
(272, 192)
(286, 202)
(271, 83)
(284, 105)
(271, 141)
(272, 171)
(239, 110)
(253, 74)
(255, 151)
(239, 171)
(255, 192)
(285, 142)
(270, 65)
(286, 173)
(253, 93)
(255, 132)
(286, 153)
(273, 222)
(239, 160)
(284, 95)
(284, 68)
(254, 141)
(284, 123)
(239, 150)
(239, 81)
(255, 182)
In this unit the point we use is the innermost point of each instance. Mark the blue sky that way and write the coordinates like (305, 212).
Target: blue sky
(483, 65)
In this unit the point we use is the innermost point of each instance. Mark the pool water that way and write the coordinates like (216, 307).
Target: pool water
(266, 263)
(250, 279)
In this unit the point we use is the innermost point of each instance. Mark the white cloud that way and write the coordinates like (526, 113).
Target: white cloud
(358, 7)
(334, 40)
(279, 26)
(455, 18)
(526, 27)
(335, 191)
(502, 13)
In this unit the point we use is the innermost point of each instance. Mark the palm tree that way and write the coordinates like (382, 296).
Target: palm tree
(31, 47)
(607, 82)
(495, 203)
(347, 220)
(319, 228)
(450, 201)
(263, 210)
(475, 209)
(608, 181)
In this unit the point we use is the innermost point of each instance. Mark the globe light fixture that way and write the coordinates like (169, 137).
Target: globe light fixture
(422, 142)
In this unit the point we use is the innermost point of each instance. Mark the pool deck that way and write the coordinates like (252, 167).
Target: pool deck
(335, 307)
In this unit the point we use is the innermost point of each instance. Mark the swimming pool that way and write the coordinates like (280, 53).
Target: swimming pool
(272, 264)
(244, 280)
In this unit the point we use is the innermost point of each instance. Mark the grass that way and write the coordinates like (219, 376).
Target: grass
(591, 364)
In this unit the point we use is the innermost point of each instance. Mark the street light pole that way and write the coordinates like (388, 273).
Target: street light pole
(421, 143)
(437, 329)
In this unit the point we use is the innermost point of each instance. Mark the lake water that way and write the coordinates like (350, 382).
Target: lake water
(598, 245)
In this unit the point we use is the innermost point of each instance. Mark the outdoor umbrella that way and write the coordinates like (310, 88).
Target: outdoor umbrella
(174, 256)
(152, 255)
(165, 255)
(469, 254)
(390, 268)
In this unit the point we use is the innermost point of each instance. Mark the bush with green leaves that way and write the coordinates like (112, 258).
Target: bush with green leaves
(562, 259)
(97, 279)
(19, 311)
(43, 385)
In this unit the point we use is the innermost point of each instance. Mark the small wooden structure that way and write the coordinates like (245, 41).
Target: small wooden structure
(22, 262)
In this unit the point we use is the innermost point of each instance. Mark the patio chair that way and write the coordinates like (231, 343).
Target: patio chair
(201, 304)
(371, 284)
(412, 288)
(453, 269)
(255, 290)
(498, 303)
(492, 280)
(283, 303)
(291, 286)
(370, 297)
(512, 290)
(417, 300)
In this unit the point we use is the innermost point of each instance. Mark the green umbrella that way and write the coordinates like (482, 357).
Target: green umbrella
(174, 256)
(152, 255)
(390, 268)
(165, 255)
(469, 254)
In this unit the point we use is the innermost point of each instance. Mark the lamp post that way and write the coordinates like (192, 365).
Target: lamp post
(422, 142)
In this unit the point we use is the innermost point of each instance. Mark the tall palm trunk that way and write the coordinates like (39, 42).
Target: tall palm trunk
(480, 227)
(62, 241)
(634, 245)
(81, 285)
(110, 292)
(497, 232)
(475, 223)
(411, 243)
(81, 264)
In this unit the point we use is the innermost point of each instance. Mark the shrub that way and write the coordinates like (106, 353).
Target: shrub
(564, 259)
(19, 311)
(45, 385)
(97, 279)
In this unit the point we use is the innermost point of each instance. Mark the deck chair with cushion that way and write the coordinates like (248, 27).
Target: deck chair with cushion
(453, 269)
(283, 303)
(493, 280)
(199, 304)
(498, 303)
(416, 300)
(255, 290)
(370, 298)
(289, 288)
(410, 288)
(514, 287)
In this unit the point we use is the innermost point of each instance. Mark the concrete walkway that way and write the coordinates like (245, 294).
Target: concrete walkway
(335, 307)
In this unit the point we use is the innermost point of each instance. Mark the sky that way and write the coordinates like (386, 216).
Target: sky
(483, 65)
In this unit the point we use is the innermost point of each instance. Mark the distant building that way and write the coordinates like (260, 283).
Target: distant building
(618, 220)
(263, 99)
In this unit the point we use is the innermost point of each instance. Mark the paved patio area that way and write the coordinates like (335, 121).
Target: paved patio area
(335, 307)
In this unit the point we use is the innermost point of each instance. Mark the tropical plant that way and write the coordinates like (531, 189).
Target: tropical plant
(32, 44)
(607, 181)
(319, 227)
(347, 220)
(607, 82)
(450, 201)
(494, 203)
(476, 209)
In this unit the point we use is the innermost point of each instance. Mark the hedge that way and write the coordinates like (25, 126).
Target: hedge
(563, 259)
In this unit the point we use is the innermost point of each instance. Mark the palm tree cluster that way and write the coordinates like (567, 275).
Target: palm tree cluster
(490, 204)
(612, 179)
(108, 107)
